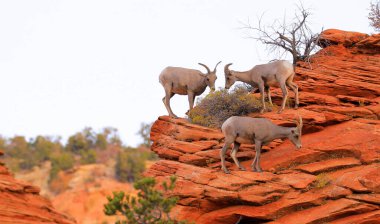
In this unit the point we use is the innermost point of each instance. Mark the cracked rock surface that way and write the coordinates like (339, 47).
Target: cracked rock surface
(334, 178)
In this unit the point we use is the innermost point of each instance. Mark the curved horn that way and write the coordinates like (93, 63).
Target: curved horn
(299, 122)
(226, 69)
(208, 70)
(217, 66)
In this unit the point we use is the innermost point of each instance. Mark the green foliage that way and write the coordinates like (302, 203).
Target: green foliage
(62, 161)
(149, 207)
(130, 163)
(88, 156)
(77, 142)
(101, 141)
(218, 106)
(144, 133)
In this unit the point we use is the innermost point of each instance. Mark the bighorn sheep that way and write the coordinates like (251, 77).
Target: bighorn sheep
(259, 131)
(263, 76)
(184, 81)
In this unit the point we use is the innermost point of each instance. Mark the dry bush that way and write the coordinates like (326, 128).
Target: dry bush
(374, 15)
(216, 107)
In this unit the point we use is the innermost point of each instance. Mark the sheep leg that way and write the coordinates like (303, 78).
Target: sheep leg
(254, 89)
(294, 88)
(284, 97)
(269, 97)
(258, 145)
(233, 155)
(223, 155)
(191, 97)
(262, 94)
(168, 95)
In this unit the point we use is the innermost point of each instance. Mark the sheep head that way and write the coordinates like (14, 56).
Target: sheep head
(210, 76)
(230, 79)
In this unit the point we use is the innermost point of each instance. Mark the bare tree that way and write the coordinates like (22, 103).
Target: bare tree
(284, 36)
(374, 15)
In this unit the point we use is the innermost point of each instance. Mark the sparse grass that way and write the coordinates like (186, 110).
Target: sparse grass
(322, 180)
(215, 108)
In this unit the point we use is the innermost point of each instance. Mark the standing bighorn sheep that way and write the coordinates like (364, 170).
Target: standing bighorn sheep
(184, 81)
(263, 76)
(259, 131)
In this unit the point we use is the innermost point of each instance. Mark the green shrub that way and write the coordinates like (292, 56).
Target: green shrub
(88, 156)
(130, 163)
(62, 161)
(149, 207)
(218, 106)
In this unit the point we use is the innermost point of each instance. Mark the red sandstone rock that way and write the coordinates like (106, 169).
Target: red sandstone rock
(340, 106)
(21, 203)
(327, 212)
(327, 165)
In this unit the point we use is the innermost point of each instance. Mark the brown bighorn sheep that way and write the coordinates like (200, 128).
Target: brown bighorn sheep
(263, 76)
(184, 81)
(259, 131)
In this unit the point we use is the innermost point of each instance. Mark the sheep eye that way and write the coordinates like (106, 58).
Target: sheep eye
(296, 136)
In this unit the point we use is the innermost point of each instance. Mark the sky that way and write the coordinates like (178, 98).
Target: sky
(67, 65)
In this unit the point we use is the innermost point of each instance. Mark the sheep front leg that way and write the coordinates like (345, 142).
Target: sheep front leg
(257, 167)
(262, 94)
(284, 97)
(191, 97)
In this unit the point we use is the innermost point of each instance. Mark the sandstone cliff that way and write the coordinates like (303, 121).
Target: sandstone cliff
(334, 178)
(20, 203)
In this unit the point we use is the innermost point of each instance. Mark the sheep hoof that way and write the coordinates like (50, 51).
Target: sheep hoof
(279, 112)
(174, 116)
(262, 111)
(242, 168)
(269, 110)
(226, 171)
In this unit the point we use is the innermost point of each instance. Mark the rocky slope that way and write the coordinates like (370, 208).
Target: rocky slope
(334, 178)
(21, 203)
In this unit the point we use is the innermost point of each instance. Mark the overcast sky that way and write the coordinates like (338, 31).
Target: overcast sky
(66, 65)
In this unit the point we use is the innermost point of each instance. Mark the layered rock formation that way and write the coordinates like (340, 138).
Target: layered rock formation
(334, 178)
(21, 203)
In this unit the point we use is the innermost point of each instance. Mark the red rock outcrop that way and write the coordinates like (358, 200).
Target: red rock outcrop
(20, 203)
(334, 178)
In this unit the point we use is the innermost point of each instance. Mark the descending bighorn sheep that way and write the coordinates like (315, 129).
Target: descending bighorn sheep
(263, 76)
(184, 81)
(259, 131)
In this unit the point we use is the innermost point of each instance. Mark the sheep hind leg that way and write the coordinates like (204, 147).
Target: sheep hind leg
(223, 155)
(166, 100)
(233, 155)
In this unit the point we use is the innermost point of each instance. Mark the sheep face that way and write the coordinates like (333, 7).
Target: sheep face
(210, 80)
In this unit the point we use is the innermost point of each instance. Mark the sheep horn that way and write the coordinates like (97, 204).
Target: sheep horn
(208, 70)
(299, 122)
(226, 69)
(217, 66)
